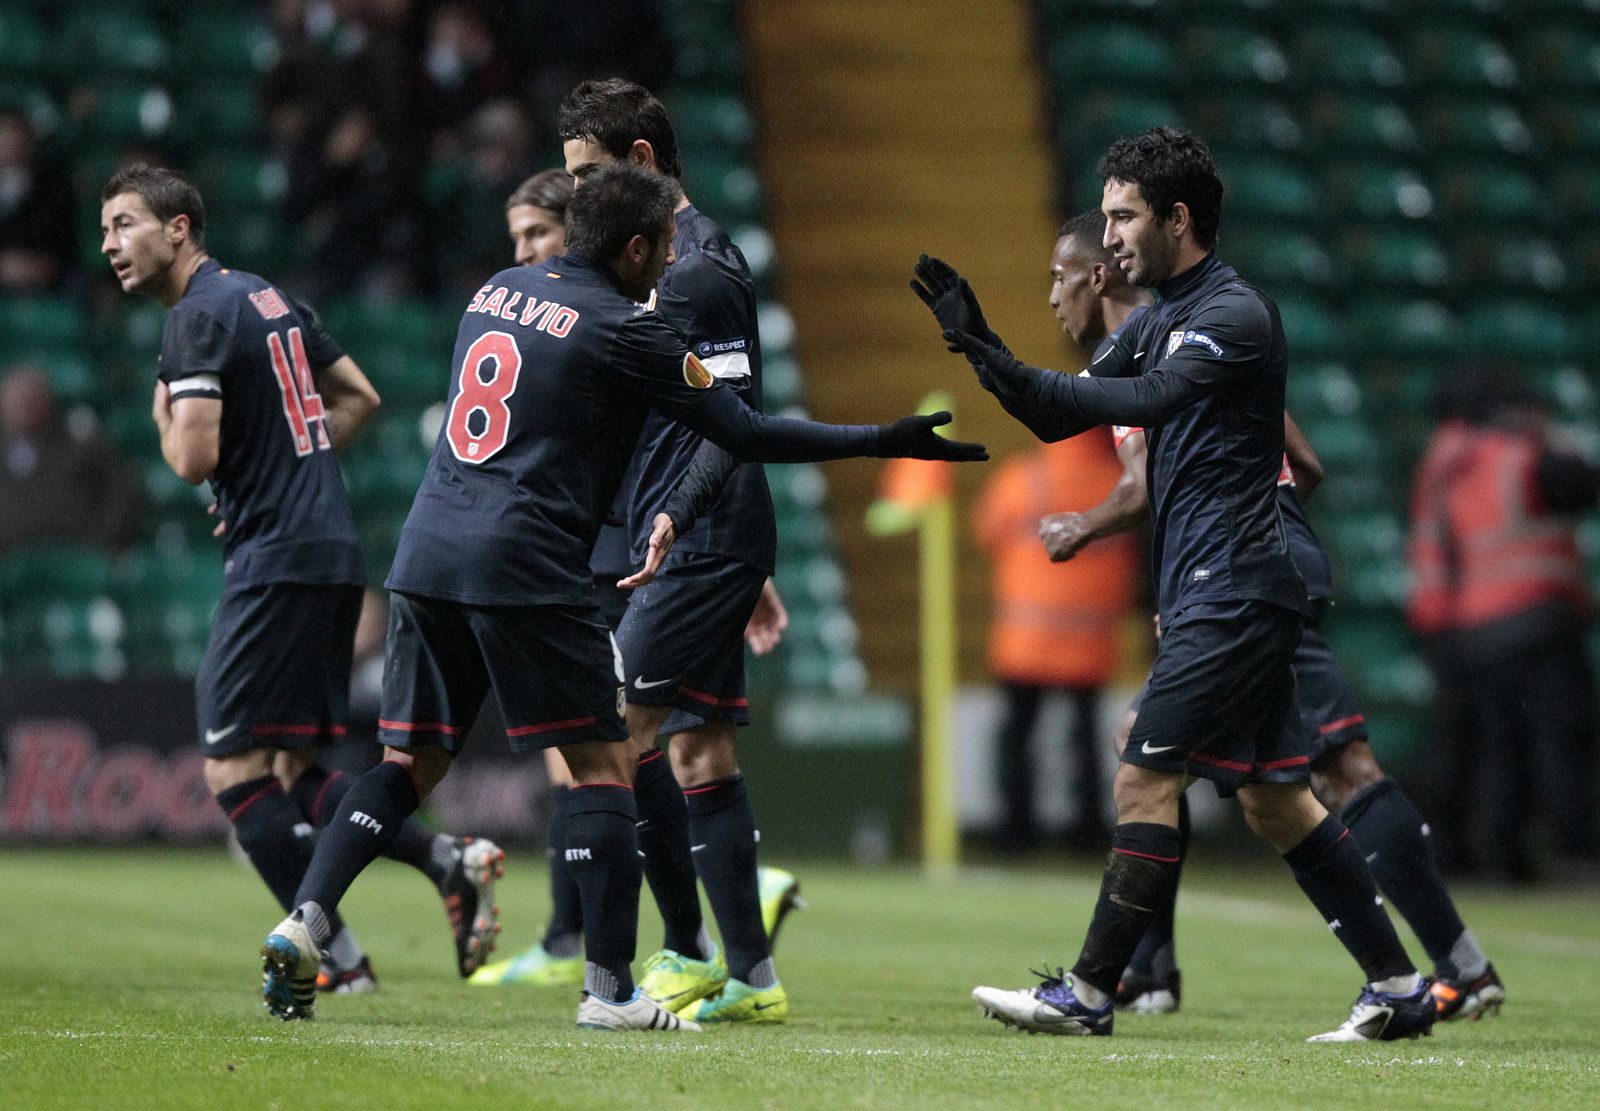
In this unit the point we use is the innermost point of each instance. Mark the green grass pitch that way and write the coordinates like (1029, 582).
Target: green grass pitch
(129, 980)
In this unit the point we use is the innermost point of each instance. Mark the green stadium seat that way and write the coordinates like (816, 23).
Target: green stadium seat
(1245, 121)
(1394, 256)
(32, 98)
(1357, 122)
(124, 113)
(1384, 327)
(225, 111)
(1063, 17)
(1230, 53)
(168, 596)
(1479, 126)
(51, 572)
(707, 50)
(70, 638)
(1456, 56)
(250, 238)
(225, 43)
(241, 180)
(1370, 190)
(114, 39)
(1345, 54)
(1309, 326)
(130, 430)
(1481, 192)
(710, 119)
(41, 321)
(725, 188)
(1519, 261)
(1270, 188)
(1102, 54)
(1558, 54)
(1583, 256)
(1520, 329)
(1320, 390)
(1091, 122)
(1279, 258)
(383, 482)
(24, 43)
(1570, 126)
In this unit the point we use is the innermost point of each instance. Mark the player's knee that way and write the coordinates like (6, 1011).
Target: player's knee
(556, 768)
(1124, 730)
(1341, 774)
(1143, 795)
(600, 762)
(705, 754)
(230, 771)
(427, 765)
(290, 764)
(1280, 814)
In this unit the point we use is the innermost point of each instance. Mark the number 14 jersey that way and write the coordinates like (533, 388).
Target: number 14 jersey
(236, 338)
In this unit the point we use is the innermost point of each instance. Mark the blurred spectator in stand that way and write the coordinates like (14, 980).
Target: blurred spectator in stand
(1055, 624)
(58, 483)
(461, 68)
(614, 38)
(499, 156)
(38, 241)
(1501, 600)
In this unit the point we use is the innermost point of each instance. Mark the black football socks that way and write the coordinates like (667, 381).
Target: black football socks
(318, 793)
(364, 825)
(668, 863)
(603, 849)
(1156, 958)
(1140, 882)
(722, 828)
(563, 937)
(1399, 848)
(265, 822)
(1329, 867)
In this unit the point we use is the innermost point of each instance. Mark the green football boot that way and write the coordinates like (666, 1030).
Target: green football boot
(532, 966)
(675, 981)
(739, 1002)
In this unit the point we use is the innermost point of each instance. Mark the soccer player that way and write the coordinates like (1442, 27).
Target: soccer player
(554, 370)
(682, 636)
(254, 396)
(1203, 370)
(1345, 774)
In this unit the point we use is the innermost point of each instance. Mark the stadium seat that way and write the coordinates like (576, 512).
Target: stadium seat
(241, 180)
(1455, 56)
(54, 571)
(168, 597)
(225, 111)
(1321, 389)
(1345, 55)
(1269, 188)
(383, 482)
(1232, 54)
(224, 43)
(1370, 190)
(709, 119)
(1394, 256)
(1279, 258)
(24, 44)
(1091, 122)
(1102, 54)
(1519, 329)
(1515, 261)
(1405, 330)
(1559, 54)
(1479, 126)
(726, 188)
(113, 39)
(1570, 125)
(1358, 122)
(1479, 191)
(124, 113)
(41, 321)
(1309, 327)
(1245, 121)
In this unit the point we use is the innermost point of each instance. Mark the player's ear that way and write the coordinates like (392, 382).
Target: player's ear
(1097, 278)
(178, 228)
(637, 250)
(1180, 220)
(643, 153)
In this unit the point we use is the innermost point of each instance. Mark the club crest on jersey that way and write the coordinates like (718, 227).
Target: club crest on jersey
(695, 372)
(1191, 338)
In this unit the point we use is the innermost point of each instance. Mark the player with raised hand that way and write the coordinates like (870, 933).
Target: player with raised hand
(554, 370)
(255, 397)
(1345, 774)
(1203, 370)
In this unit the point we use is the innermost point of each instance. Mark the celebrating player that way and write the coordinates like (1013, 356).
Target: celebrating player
(554, 371)
(1345, 775)
(1203, 370)
(254, 396)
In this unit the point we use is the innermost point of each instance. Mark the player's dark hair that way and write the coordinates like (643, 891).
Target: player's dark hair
(614, 111)
(616, 203)
(1170, 165)
(548, 189)
(167, 192)
(1087, 230)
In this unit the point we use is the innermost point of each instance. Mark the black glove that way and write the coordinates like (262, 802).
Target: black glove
(951, 299)
(914, 438)
(1000, 372)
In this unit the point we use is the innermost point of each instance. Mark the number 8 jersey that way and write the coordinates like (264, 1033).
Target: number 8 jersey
(236, 338)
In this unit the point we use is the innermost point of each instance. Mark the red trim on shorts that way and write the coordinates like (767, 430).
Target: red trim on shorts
(1342, 723)
(1218, 762)
(549, 726)
(1142, 856)
(581, 786)
(713, 700)
(233, 815)
(420, 727)
(652, 756)
(316, 803)
(296, 730)
(1288, 762)
(708, 787)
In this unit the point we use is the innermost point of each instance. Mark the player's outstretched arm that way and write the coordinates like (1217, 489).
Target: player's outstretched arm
(348, 400)
(191, 433)
(1066, 534)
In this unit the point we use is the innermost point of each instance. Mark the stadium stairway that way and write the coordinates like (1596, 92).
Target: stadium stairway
(884, 136)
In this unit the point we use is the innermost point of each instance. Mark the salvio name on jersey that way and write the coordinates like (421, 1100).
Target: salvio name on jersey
(542, 316)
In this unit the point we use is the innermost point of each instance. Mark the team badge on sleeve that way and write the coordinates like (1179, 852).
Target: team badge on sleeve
(1179, 339)
(695, 372)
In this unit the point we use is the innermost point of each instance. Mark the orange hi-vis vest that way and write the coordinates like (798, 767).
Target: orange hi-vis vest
(1482, 545)
(1055, 624)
